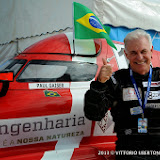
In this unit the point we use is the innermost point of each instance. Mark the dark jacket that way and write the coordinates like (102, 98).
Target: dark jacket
(118, 94)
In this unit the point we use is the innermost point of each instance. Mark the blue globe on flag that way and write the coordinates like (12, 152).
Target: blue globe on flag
(94, 22)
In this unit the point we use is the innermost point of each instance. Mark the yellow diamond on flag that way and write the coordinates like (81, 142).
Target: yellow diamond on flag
(91, 22)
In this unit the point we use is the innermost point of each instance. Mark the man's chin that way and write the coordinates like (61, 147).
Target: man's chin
(142, 71)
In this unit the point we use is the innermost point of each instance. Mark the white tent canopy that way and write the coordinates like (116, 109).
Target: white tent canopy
(129, 13)
(24, 22)
(26, 18)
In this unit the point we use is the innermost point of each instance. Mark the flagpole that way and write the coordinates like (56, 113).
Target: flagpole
(73, 28)
(74, 46)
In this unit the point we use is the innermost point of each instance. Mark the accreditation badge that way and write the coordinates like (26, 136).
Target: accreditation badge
(136, 110)
(142, 125)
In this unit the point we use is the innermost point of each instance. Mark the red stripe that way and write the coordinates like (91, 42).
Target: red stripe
(33, 151)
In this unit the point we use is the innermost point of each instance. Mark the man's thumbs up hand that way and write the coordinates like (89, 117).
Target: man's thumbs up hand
(105, 72)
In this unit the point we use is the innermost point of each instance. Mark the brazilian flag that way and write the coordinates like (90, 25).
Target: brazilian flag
(87, 25)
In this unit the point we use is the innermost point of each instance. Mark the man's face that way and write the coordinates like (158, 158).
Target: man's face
(139, 53)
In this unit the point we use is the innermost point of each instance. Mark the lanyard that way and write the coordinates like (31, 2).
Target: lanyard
(137, 91)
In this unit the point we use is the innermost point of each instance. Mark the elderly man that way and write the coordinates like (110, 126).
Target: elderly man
(133, 95)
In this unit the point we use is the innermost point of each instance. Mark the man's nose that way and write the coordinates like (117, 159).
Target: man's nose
(139, 56)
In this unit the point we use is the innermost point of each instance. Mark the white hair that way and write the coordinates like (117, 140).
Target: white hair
(136, 34)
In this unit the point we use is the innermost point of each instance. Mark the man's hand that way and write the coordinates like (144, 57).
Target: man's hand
(105, 72)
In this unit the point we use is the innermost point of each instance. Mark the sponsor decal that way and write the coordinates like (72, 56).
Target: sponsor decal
(128, 131)
(136, 110)
(48, 85)
(40, 139)
(23, 131)
(154, 95)
(51, 93)
(153, 105)
(103, 123)
(129, 94)
(153, 84)
(105, 127)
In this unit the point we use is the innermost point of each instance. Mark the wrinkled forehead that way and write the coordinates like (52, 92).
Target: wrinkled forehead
(135, 44)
